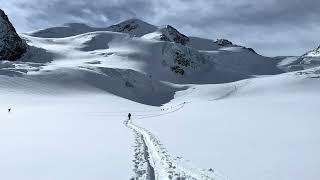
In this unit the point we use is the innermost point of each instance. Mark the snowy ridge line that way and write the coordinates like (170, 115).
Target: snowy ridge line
(152, 160)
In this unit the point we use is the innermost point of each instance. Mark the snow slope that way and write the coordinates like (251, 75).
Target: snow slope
(134, 27)
(261, 128)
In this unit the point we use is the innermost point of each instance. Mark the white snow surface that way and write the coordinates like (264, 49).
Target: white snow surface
(57, 132)
(261, 128)
(70, 95)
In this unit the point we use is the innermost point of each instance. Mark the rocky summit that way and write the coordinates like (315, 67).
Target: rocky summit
(11, 45)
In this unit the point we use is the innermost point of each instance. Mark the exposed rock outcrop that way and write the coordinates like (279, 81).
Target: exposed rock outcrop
(223, 42)
(133, 27)
(171, 34)
(308, 60)
(11, 45)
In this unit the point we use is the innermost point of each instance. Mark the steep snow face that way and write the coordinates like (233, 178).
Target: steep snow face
(134, 27)
(11, 45)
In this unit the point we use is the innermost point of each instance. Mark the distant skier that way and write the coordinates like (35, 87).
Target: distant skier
(9, 110)
(129, 116)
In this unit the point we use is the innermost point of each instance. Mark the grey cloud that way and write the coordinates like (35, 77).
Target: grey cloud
(93, 12)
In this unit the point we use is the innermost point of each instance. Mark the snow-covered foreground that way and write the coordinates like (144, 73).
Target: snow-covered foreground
(76, 131)
(64, 136)
(153, 161)
(262, 128)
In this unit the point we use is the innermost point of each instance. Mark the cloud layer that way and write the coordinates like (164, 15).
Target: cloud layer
(271, 27)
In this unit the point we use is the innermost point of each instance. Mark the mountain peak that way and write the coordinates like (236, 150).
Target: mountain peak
(169, 33)
(11, 45)
(313, 53)
(223, 42)
(134, 27)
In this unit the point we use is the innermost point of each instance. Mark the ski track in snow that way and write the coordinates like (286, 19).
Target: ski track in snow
(232, 91)
(153, 162)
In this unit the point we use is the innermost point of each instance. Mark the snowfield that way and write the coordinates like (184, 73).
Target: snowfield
(59, 132)
(201, 109)
(262, 128)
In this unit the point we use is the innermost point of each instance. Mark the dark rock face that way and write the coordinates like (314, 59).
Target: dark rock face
(251, 50)
(172, 35)
(133, 27)
(178, 70)
(223, 42)
(125, 27)
(186, 60)
(11, 45)
(182, 60)
(129, 84)
(313, 53)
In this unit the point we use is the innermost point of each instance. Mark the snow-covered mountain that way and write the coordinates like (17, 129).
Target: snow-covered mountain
(11, 45)
(134, 55)
(134, 27)
(308, 60)
(194, 102)
(170, 51)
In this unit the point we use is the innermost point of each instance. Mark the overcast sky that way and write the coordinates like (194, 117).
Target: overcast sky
(271, 27)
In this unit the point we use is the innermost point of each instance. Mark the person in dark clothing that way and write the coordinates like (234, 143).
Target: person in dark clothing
(129, 116)
(9, 110)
